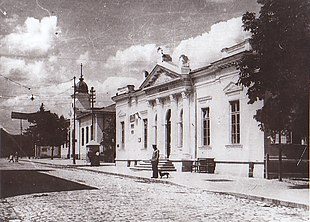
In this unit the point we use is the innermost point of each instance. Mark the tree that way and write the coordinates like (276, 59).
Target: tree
(276, 70)
(47, 129)
(108, 138)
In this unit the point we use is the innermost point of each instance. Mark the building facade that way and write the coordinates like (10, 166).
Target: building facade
(191, 114)
(89, 124)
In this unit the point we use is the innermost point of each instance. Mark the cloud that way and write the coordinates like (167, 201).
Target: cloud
(20, 70)
(201, 50)
(207, 47)
(34, 36)
(84, 58)
(132, 60)
(37, 38)
(111, 84)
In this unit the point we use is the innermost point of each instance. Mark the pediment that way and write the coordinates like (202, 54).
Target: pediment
(232, 88)
(159, 76)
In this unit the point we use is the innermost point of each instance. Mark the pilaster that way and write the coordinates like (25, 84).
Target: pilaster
(174, 119)
(160, 127)
(186, 124)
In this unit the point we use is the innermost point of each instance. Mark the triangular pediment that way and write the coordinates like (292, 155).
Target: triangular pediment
(159, 76)
(232, 88)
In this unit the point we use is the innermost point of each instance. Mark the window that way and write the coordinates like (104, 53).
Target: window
(145, 132)
(87, 134)
(286, 138)
(206, 126)
(235, 122)
(92, 132)
(44, 150)
(83, 136)
(181, 129)
(122, 132)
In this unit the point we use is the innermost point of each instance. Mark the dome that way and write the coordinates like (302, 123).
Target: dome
(81, 86)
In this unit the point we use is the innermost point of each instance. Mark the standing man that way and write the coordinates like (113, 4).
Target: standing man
(154, 161)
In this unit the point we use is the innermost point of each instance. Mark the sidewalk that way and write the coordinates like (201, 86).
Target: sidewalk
(287, 193)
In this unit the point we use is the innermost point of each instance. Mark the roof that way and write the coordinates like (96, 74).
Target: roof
(81, 86)
(167, 73)
(97, 110)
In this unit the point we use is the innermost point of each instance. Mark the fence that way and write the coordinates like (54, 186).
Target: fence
(295, 161)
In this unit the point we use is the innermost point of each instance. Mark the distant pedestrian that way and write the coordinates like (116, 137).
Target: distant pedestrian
(11, 158)
(154, 161)
(16, 157)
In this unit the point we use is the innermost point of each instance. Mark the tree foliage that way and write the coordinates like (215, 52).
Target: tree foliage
(276, 70)
(47, 128)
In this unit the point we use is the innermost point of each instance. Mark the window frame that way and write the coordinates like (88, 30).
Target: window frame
(206, 126)
(83, 136)
(122, 133)
(235, 121)
(145, 132)
(87, 135)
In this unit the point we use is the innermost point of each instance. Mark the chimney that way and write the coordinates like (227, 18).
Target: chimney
(131, 88)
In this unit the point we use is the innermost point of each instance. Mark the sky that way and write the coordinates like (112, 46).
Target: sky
(43, 43)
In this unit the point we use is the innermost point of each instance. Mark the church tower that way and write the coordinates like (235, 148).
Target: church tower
(82, 101)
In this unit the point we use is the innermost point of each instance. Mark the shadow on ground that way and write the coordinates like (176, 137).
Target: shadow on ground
(218, 180)
(19, 182)
(300, 186)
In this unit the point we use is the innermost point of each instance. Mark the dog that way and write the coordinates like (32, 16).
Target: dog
(161, 173)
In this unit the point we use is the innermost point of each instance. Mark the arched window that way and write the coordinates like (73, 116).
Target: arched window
(180, 129)
(206, 131)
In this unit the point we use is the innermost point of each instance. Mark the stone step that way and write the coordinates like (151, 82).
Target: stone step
(163, 165)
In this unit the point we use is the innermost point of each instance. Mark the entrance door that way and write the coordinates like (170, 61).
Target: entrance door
(168, 133)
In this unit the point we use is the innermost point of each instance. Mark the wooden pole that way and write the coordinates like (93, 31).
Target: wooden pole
(73, 139)
(280, 158)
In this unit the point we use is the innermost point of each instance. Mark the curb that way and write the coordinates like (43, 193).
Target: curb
(266, 200)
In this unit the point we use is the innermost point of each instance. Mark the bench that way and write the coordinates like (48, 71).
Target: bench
(204, 165)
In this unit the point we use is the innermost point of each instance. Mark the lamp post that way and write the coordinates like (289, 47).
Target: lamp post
(73, 136)
(93, 100)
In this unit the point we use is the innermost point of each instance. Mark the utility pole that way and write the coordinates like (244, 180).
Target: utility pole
(93, 100)
(73, 136)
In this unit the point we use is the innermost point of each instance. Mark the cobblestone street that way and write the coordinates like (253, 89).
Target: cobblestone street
(126, 199)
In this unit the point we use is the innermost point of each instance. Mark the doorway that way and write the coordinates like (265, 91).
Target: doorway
(168, 133)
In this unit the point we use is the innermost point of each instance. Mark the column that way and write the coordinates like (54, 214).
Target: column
(174, 129)
(160, 128)
(186, 124)
(150, 125)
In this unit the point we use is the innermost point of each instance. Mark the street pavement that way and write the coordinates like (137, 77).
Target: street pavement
(292, 193)
(129, 197)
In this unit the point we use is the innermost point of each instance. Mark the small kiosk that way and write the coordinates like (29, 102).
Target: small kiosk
(93, 153)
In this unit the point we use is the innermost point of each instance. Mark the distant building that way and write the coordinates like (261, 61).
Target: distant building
(191, 114)
(47, 151)
(103, 132)
(97, 125)
(10, 144)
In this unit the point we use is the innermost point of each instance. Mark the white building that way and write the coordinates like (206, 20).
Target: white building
(191, 114)
(91, 125)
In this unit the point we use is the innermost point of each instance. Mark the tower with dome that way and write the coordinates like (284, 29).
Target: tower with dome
(91, 124)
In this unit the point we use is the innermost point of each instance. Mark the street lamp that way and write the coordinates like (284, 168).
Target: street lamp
(73, 136)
